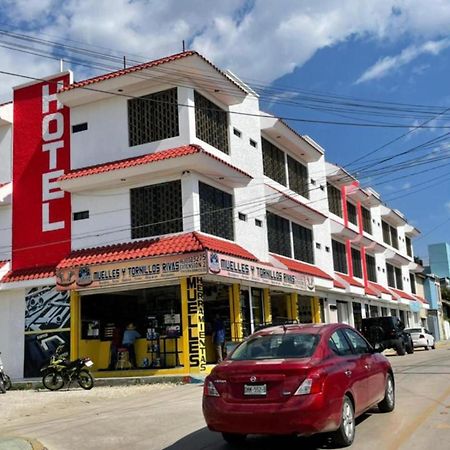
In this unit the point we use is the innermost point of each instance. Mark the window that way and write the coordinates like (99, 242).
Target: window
(273, 162)
(394, 237)
(356, 262)
(153, 117)
(352, 214)
(339, 257)
(81, 215)
(253, 143)
(298, 177)
(367, 223)
(358, 343)
(303, 243)
(371, 268)
(237, 133)
(390, 275)
(408, 246)
(211, 123)
(79, 127)
(258, 223)
(339, 344)
(148, 218)
(242, 216)
(386, 233)
(412, 280)
(334, 200)
(216, 212)
(278, 233)
(398, 278)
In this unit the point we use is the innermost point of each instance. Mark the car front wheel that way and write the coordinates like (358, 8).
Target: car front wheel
(388, 402)
(400, 348)
(345, 434)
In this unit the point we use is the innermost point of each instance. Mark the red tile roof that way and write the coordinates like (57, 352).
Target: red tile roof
(380, 288)
(139, 67)
(421, 299)
(170, 245)
(2, 263)
(402, 294)
(338, 284)
(35, 273)
(145, 159)
(371, 291)
(302, 267)
(351, 281)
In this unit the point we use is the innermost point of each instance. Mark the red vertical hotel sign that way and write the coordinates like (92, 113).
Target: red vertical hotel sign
(41, 153)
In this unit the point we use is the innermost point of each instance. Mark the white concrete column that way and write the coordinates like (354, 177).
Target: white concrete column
(186, 114)
(191, 202)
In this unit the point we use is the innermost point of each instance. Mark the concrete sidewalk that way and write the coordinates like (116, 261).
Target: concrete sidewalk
(18, 443)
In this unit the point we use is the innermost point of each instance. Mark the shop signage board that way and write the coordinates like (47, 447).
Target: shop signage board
(41, 153)
(131, 272)
(244, 270)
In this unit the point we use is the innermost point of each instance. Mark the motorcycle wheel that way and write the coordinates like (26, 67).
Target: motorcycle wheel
(53, 381)
(2, 386)
(85, 380)
(7, 383)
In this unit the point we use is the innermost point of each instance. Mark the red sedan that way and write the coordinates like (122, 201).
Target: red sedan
(298, 380)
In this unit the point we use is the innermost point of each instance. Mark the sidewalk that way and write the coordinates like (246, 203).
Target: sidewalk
(16, 443)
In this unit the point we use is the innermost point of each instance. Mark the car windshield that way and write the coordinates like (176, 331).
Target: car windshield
(413, 330)
(274, 346)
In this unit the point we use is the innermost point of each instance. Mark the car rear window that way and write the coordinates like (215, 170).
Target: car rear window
(275, 346)
(413, 330)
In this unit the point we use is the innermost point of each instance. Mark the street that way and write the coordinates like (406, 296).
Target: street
(169, 417)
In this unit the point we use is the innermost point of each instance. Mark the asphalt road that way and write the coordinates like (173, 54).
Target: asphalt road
(169, 417)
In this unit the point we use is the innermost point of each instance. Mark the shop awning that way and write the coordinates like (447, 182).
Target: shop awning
(349, 280)
(378, 288)
(35, 273)
(396, 293)
(298, 266)
(338, 284)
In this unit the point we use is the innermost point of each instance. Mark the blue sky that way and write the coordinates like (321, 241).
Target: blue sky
(297, 54)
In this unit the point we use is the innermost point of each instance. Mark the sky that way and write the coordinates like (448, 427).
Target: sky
(366, 79)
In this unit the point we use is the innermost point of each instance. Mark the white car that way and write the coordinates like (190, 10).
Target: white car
(421, 337)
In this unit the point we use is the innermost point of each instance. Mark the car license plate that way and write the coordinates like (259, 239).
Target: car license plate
(89, 363)
(255, 389)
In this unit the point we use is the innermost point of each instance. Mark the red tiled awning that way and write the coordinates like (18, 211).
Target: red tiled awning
(350, 280)
(401, 294)
(301, 267)
(177, 152)
(421, 299)
(170, 245)
(379, 288)
(338, 284)
(29, 274)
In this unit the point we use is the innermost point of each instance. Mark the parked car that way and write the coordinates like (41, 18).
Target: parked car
(387, 332)
(298, 380)
(421, 337)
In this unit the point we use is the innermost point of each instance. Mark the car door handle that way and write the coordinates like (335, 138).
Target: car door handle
(348, 373)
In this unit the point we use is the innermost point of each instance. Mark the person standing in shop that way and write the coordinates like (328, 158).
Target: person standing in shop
(218, 337)
(129, 338)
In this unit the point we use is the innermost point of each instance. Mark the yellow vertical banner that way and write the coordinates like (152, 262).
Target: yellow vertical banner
(315, 310)
(237, 319)
(194, 313)
(293, 306)
(74, 325)
(185, 321)
(267, 306)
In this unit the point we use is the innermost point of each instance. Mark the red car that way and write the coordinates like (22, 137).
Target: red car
(298, 380)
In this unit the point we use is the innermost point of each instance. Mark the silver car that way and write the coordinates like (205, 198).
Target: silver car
(421, 337)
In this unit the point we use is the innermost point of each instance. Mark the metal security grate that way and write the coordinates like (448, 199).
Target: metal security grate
(298, 177)
(156, 210)
(303, 243)
(334, 200)
(273, 162)
(279, 236)
(356, 263)
(211, 123)
(339, 257)
(371, 268)
(153, 117)
(216, 212)
(352, 215)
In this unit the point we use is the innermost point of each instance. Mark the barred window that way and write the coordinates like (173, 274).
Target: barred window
(371, 268)
(408, 246)
(394, 237)
(352, 214)
(356, 263)
(303, 243)
(273, 162)
(278, 234)
(211, 123)
(153, 117)
(390, 275)
(367, 220)
(412, 280)
(334, 200)
(298, 177)
(216, 212)
(386, 233)
(398, 278)
(148, 218)
(339, 257)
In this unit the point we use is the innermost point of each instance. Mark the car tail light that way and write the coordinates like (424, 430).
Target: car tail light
(421, 336)
(313, 384)
(210, 390)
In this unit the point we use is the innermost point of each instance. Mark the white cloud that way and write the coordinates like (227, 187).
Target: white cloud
(406, 185)
(257, 40)
(388, 64)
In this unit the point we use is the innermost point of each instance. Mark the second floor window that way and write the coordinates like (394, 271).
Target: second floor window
(334, 200)
(339, 257)
(356, 262)
(394, 276)
(352, 214)
(390, 235)
(412, 279)
(148, 217)
(408, 246)
(367, 220)
(394, 237)
(398, 278)
(273, 162)
(278, 233)
(211, 123)
(298, 177)
(216, 211)
(153, 117)
(371, 268)
(303, 243)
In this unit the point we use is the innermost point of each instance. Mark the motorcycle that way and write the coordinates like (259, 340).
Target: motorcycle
(5, 381)
(61, 371)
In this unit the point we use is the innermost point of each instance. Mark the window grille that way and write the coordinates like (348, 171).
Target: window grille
(408, 246)
(303, 243)
(211, 123)
(298, 177)
(371, 268)
(334, 200)
(216, 212)
(273, 162)
(394, 237)
(339, 257)
(367, 222)
(278, 233)
(356, 263)
(156, 210)
(386, 233)
(153, 117)
(352, 215)
(390, 275)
